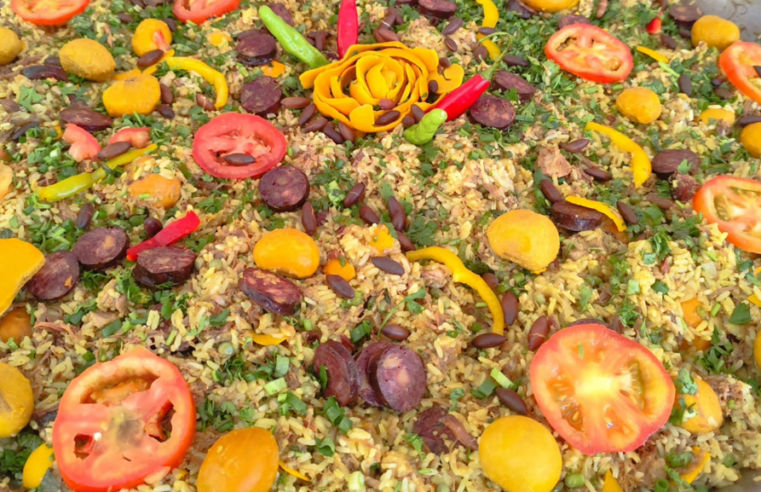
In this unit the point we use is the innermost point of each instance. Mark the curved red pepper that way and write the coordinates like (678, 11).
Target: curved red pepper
(348, 26)
(168, 235)
(654, 26)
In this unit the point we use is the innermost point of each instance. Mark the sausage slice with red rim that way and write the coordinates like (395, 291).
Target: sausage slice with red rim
(398, 377)
(256, 47)
(261, 96)
(101, 248)
(284, 188)
(343, 375)
(366, 391)
(166, 265)
(440, 9)
(57, 277)
(430, 428)
(493, 112)
(270, 291)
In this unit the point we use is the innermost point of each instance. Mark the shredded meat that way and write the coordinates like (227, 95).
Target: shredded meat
(552, 162)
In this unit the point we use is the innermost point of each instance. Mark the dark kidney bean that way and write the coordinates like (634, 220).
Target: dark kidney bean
(307, 113)
(389, 21)
(316, 124)
(452, 26)
(480, 53)
(295, 102)
(388, 34)
(537, 335)
(515, 61)
(239, 159)
(84, 217)
(488, 340)
(152, 226)
(368, 215)
(379, 36)
(685, 84)
(398, 216)
(166, 94)
(333, 134)
(166, 111)
(575, 146)
(723, 93)
(53, 60)
(417, 113)
(660, 202)
(395, 332)
(491, 280)
(718, 81)
(451, 44)
(685, 33)
(405, 242)
(386, 264)
(510, 307)
(171, 23)
(668, 42)
(408, 121)
(387, 118)
(41, 72)
(124, 17)
(114, 150)
(598, 174)
(10, 106)
(355, 193)
(15, 136)
(204, 102)
(386, 104)
(550, 191)
(749, 120)
(444, 62)
(628, 213)
(319, 38)
(433, 87)
(512, 400)
(150, 58)
(309, 219)
(487, 30)
(346, 132)
(340, 286)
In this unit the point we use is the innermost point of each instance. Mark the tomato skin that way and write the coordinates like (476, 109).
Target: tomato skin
(120, 453)
(586, 35)
(199, 15)
(737, 63)
(83, 144)
(615, 393)
(48, 16)
(721, 187)
(231, 133)
(138, 137)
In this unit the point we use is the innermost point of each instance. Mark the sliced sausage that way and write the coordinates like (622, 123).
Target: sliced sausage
(430, 428)
(493, 112)
(571, 19)
(101, 248)
(685, 15)
(57, 277)
(667, 162)
(398, 377)
(282, 12)
(574, 217)
(166, 265)
(366, 391)
(506, 81)
(86, 118)
(520, 8)
(343, 375)
(270, 291)
(261, 96)
(683, 187)
(39, 72)
(256, 47)
(284, 188)
(440, 9)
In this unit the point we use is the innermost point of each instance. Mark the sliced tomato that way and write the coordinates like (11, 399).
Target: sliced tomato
(235, 133)
(602, 392)
(197, 11)
(138, 137)
(734, 204)
(114, 419)
(738, 62)
(48, 12)
(591, 53)
(83, 144)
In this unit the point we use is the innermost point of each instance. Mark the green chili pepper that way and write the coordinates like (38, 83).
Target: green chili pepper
(423, 132)
(291, 40)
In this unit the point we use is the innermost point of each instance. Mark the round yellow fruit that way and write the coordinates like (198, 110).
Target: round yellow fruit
(524, 237)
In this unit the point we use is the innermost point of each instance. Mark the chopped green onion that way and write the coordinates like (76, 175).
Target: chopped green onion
(276, 386)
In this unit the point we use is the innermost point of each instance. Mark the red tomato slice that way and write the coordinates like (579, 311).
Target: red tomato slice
(109, 431)
(737, 63)
(602, 392)
(735, 205)
(83, 144)
(197, 11)
(591, 53)
(138, 137)
(48, 12)
(235, 133)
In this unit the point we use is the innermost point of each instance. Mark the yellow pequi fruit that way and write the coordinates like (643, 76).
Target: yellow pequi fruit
(139, 95)
(19, 261)
(87, 59)
(750, 137)
(705, 404)
(334, 267)
(524, 237)
(10, 46)
(6, 180)
(157, 190)
(288, 252)
(639, 104)
(715, 32)
(151, 35)
(17, 398)
(16, 325)
(718, 116)
(551, 5)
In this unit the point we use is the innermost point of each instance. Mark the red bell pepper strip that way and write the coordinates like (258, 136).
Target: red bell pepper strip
(654, 26)
(348, 26)
(168, 235)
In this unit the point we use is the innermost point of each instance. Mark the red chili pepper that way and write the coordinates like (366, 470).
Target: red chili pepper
(654, 26)
(168, 235)
(459, 100)
(348, 26)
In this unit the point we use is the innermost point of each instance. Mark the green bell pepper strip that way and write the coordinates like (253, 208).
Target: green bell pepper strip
(84, 181)
(423, 132)
(291, 40)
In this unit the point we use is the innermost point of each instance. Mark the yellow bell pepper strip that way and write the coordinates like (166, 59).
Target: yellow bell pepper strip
(273, 69)
(601, 207)
(755, 300)
(291, 471)
(695, 468)
(461, 274)
(641, 166)
(652, 54)
(84, 181)
(266, 340)
(215, 78)
(491, 16)
(611, 484)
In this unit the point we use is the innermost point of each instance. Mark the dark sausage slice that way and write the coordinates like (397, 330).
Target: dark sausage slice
(282, 11)
(101, 248)
(685, 15)
(520, 8)
(261, 96)
(271, 292)
(343, 375)
(571, 19)
(284, 188)
(574, 217)
(493, 112)
(398, 377)
(256, 47)
(440, 9)
(164, 265)
(506, 81)
(667, 162)
(430, 428)
(86, 118)
(56, 279)
(366, 391)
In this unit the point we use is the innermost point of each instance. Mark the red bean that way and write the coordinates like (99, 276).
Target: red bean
(491, 280)
(537, 335)
(398, 216)
(512, 400)
(488, 340)
(340, 286)
(386, 264)
(395, 332)
(510, 307)
(354, 194)
(309, 219)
